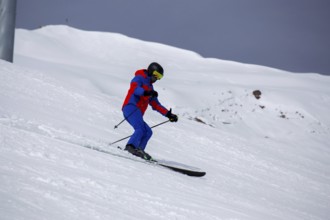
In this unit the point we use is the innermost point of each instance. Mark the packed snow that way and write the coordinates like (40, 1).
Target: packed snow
(266, 157)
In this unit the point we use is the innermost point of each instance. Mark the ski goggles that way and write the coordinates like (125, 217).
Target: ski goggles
(157, 74)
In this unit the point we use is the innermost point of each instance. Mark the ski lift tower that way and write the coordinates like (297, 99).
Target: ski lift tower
(7, 29)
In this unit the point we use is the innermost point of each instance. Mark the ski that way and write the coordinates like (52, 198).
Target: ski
(174, 166)
(188, 171)
(181, 168)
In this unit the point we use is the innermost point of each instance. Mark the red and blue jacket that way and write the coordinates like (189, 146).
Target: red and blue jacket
(140, 83)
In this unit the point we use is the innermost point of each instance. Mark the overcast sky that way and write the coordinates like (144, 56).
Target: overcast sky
(293, 35)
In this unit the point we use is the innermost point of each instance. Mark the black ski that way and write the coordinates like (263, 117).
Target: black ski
(189, 172)
(177, 167)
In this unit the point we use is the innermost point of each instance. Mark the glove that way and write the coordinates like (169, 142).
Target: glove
(172, 117)
(151, 93)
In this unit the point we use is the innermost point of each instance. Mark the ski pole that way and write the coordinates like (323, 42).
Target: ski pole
(131, 135)
(160, 123)
(125, 119)
(116, 126)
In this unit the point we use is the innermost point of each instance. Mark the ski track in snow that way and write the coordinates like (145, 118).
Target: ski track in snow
(265, 159)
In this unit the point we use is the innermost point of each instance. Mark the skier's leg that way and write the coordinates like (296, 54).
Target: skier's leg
(147, 135)
(136, 121)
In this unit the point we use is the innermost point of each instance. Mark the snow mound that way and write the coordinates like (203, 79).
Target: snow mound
(265, 158)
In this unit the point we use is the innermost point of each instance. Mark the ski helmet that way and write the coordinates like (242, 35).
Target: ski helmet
(155, 67)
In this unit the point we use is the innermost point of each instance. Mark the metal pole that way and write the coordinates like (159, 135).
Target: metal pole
(7, 29)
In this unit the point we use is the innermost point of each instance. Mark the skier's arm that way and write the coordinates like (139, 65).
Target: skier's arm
(136, 84)
(155, 104)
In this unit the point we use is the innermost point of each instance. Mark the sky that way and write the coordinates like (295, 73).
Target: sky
(290, 35)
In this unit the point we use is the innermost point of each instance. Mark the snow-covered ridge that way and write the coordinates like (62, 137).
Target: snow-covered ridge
(265, 158)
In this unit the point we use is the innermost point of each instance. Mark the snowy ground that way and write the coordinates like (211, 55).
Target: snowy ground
(266, 158)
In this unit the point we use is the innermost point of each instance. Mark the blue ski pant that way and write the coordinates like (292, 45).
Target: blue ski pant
(142, 131)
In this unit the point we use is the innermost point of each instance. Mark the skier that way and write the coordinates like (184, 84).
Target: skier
(141, 94)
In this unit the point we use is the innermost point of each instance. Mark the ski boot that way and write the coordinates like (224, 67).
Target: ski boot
(138, 152)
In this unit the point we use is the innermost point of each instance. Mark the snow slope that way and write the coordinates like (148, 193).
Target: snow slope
(266, 158)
